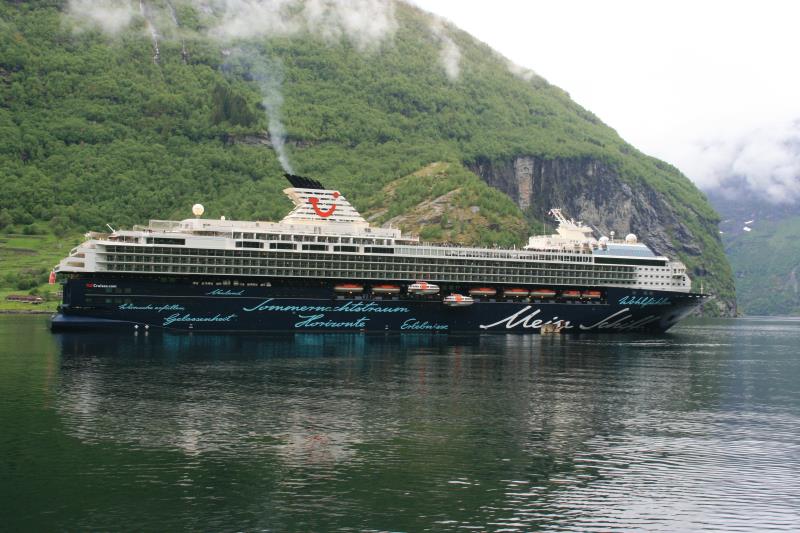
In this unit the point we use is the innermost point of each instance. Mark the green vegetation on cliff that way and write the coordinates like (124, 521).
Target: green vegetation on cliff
(94, 131)
(445, 202)
(766, 265)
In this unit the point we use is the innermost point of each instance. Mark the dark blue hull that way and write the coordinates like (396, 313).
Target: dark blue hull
(312, 305)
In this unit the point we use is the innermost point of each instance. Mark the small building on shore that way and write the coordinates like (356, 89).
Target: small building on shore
(25, 298)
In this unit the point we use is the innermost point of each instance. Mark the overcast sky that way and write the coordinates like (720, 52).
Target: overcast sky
(686, 81)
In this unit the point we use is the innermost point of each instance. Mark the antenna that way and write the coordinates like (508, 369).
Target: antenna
(112, 229)
(556, 214)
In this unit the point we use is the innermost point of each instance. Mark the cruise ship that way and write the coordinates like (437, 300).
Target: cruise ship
(324, 268)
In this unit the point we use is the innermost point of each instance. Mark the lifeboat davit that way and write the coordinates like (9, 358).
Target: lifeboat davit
(385, 289)
(543, 293)
(515, 293)
(482, 291)
(592, 295)
(570, 294)
(423, 287)
(349, 288)
(458, 300)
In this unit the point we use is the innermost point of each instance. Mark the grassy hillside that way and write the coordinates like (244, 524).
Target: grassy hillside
(444, 202)
(25, 262)
(766, 264)
(94, 131)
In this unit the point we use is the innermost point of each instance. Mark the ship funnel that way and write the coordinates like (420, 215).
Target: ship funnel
(301, 182)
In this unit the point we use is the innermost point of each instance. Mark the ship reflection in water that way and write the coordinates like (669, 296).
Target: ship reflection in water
(412, 432)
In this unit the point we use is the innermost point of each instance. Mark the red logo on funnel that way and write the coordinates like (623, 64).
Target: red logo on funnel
(314, 201)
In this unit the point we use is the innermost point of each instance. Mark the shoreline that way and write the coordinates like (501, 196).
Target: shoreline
(25, 312)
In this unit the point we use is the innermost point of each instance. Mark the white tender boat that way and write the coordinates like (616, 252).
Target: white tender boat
(458, 300)
(423, 287)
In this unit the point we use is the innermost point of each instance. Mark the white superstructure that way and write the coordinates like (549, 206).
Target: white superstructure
(324, 237)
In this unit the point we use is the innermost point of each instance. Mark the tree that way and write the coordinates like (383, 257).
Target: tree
(5, 218)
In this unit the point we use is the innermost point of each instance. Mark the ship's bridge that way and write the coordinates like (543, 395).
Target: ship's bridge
(569, 235)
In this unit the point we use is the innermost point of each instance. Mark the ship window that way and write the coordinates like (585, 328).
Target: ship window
(281, 246)
(320, 247)
(345, 249)
(249, 244)
(165, 240)
(625, 261)
(378, 250)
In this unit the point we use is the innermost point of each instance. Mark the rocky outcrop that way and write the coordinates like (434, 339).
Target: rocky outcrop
(592, 191)
(427, 213)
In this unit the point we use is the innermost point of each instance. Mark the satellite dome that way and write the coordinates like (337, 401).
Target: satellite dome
(198, 209)
(603, 240)
(630, 238)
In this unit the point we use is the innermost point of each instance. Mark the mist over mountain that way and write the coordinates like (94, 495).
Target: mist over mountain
(753, 181)
(762, 165)
(116, 112)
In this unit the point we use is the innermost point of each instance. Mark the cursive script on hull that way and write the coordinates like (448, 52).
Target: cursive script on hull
(528, 318)
(347, 307)
(620, 321)
(225, 292)
(644, 301)
(191, 319)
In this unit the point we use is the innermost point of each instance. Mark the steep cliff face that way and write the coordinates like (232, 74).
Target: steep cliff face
(592, 191)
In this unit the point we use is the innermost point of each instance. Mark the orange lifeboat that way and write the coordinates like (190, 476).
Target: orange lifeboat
(592, 295)
(482, 291)
(349, 288)
(543, 293)
(571, 294)
(515, 293)
(458, 300)
(386, 289)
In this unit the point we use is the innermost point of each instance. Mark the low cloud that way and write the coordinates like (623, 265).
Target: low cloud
(110, 16)
(365, 23)
(522, 73)
(764, 162)
(449, 52)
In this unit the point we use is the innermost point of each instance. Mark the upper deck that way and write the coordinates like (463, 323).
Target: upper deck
(324, 236)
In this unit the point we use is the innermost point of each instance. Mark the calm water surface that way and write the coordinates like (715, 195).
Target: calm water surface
(695, 430)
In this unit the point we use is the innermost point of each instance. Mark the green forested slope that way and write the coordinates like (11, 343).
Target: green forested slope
(93, 131)
(766, 263)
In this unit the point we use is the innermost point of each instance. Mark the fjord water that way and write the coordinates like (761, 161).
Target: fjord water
(698, 429)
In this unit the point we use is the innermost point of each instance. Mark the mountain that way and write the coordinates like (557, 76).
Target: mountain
(116, 112)
(761, 240)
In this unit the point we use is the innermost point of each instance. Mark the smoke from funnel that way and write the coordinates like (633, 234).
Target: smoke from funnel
(268, 74)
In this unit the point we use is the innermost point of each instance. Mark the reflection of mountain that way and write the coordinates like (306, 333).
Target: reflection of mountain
(762, 241)
(322, 432)
(299, 400)
(217, 394)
